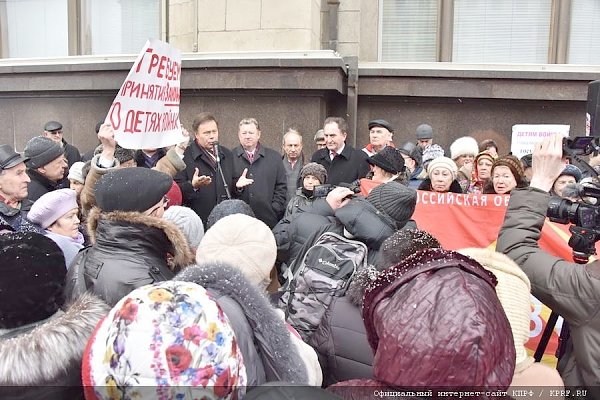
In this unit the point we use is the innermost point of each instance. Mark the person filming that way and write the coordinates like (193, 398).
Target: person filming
(569, 289)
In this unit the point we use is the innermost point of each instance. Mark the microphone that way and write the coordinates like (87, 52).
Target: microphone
(216, 151)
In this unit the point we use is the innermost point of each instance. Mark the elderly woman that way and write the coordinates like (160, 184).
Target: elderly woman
(442, 176)
(507, 174)
(56, 212)
(482, 171)
(386, 166)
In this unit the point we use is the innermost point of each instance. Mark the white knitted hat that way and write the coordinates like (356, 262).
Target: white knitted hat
(443, 162)
(244, 242)
(188, 222)
(513, 290)
(464, 146)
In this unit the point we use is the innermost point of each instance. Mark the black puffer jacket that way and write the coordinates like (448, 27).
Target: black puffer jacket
(129, 250)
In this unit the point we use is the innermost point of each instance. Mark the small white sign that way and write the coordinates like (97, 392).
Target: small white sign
(524, 137)
(145, 112)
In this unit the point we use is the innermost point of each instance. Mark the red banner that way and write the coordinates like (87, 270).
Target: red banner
(472, 220)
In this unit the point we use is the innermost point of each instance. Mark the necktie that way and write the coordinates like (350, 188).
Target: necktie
(250, 157)
(333, 154)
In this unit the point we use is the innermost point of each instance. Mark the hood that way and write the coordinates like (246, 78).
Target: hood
(182, 255)
(435, 320)
(52, 348)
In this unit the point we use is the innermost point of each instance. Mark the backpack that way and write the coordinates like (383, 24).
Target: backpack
(320, 273)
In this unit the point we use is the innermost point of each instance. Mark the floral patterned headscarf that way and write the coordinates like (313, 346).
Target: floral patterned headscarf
(166, 341)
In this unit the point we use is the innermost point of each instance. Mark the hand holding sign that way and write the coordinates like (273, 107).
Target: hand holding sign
(200, 180)
(243, 181)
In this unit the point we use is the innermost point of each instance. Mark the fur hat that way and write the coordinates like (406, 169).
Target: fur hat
(573, 171)
(403, 243)
(434, 308)
(432, 152)
(513, 290)
(131, 189)
(244, 242)
(76, 172)
(382, 123)
(51, 206)
(316, 170)
(40, 151)
(395, 200)
(513, 163)
(464, 146)
(228, 207)
(169, 339)
(424, 131)
(442, 162)
(389, 159)
(33, 276)
(188, 222)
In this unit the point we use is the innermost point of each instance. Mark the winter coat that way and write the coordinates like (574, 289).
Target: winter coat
(140, 160)
(341, 343)
(129, 250)
(46, 357)
(414, 179)
(572, 290)
(39, 185)
(348, 166)
(204, 199)
(262, 336)
(71, 153)
(297, 201)
(292, 175)
(267, 195)
(16, 218)
(454, 186)
(87, 197)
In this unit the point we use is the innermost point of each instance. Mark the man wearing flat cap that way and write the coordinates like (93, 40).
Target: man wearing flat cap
(54, 130)
(380, 136)
(14, 180)
(46, 166)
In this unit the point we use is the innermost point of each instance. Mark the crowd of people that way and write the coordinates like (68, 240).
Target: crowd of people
(160, 273)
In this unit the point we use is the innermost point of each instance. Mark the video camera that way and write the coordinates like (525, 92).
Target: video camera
(585, 215)
(323, 190)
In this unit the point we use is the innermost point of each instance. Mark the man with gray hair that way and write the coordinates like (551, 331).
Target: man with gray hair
(46, 166)
(293, 160)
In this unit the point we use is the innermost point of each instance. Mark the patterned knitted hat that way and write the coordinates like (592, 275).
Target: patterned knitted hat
(395, 200)
(431, 152)
(513, 290)
(513, 164)
(41, 150)
(167, 340)
(316, 170)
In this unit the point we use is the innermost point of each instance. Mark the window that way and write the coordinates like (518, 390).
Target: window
(408, 30)
(35, 28)
(119, 26)
(502, 31)
(584, 38)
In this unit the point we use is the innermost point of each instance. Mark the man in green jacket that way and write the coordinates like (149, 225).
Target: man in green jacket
(572, 290)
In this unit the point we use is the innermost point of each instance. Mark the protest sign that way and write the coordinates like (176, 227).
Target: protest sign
(474, 220)
(524, 137)
(145, 112)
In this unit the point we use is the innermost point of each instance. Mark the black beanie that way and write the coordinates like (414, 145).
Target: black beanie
(395, 200)
(41, 150)
(131, 189)
(389, 159)
(33, 276)
(228, 207)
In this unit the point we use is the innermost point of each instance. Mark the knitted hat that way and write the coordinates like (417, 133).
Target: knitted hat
(395, 200)
(442, 162)
(440, 311)
(513, 164)
(424, 131)
(573, 171)
(484, 154)
(76, 172)
(244, 242)
(403, 243)
(167, 340)
(382, 123)
(174, 195)
(52, 126)
(389, 159)
(464, 146)
(9, 157)
(131, 189)
(41, 150)
(188, 222)
(33, 274)
(316, 170)
(513, 290)
(51, 206)
(431, 152)
(228, 207)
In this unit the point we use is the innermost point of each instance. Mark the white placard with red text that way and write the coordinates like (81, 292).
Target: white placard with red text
(145, 112)
(524, 137)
